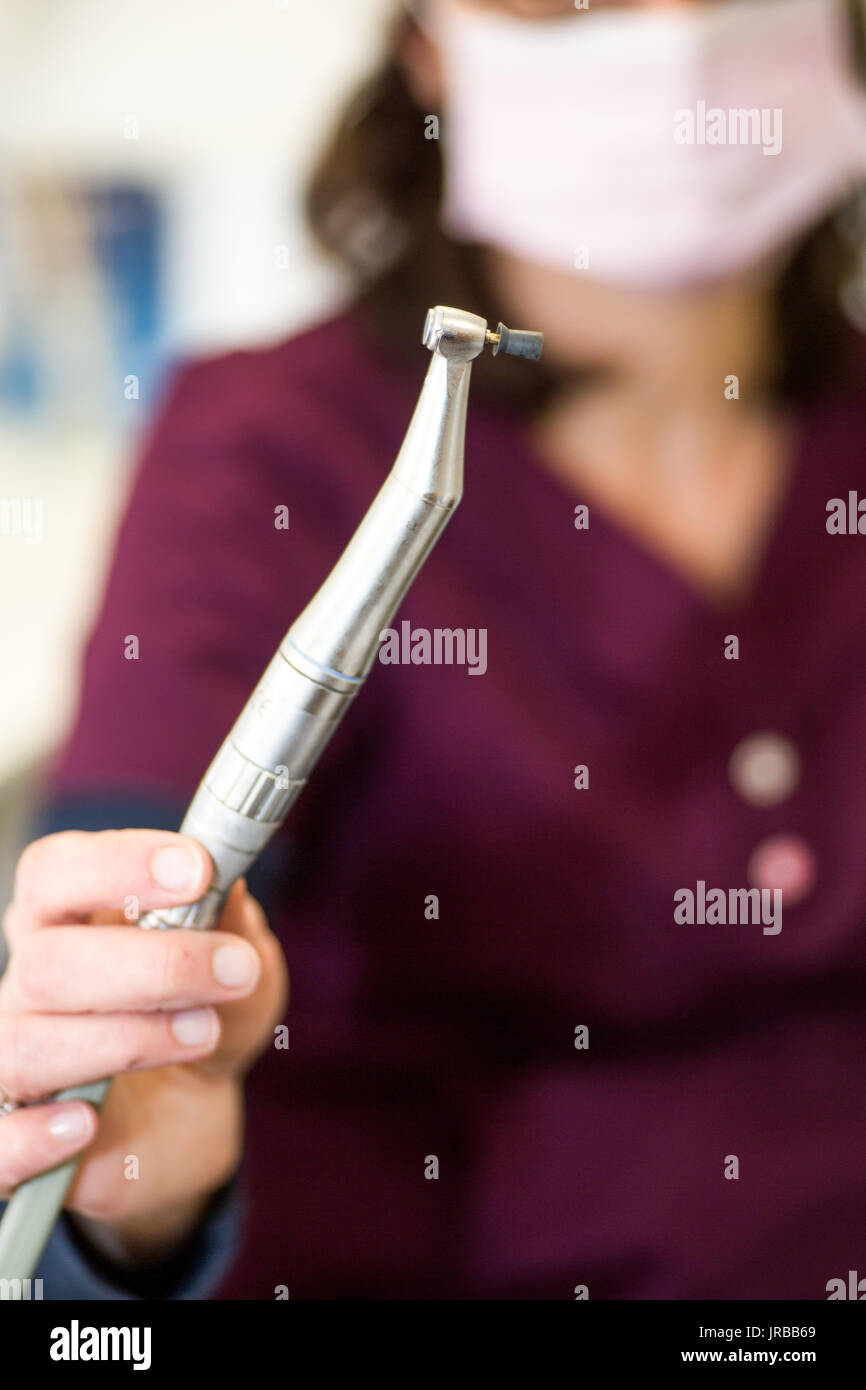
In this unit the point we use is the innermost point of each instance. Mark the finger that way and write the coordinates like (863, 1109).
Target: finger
(43, 1053)
(66, 877)
(41, 1137)
(249, 1024)
(125, 969)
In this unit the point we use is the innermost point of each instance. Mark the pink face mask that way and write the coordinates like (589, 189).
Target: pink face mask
(656, 147)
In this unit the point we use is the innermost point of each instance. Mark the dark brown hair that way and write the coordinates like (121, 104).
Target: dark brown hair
(373, 202)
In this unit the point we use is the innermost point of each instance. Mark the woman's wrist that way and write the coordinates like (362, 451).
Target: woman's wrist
(151, 1239)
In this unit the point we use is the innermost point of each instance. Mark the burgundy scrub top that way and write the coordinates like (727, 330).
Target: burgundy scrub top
(459, 1038)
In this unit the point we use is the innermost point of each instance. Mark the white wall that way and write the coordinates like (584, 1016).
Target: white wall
(224, 103)
(227, 103)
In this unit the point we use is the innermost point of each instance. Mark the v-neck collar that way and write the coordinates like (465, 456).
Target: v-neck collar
(641, 554)
(603, 589)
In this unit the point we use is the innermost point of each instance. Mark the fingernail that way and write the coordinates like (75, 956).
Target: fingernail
(235, 965)
(194, 1027)
(175, 868)
(69, 1124)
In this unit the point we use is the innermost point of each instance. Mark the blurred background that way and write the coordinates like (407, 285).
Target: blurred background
(152, 165)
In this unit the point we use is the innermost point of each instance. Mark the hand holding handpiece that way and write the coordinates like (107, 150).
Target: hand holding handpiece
(177, 1017)
(245, 795)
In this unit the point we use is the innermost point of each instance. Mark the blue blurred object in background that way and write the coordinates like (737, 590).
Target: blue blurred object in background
(100, 249)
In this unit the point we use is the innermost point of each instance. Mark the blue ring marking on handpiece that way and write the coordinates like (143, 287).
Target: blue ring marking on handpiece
(329, 670)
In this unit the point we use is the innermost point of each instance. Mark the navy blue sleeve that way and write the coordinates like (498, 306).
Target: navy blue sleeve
(69, 1269)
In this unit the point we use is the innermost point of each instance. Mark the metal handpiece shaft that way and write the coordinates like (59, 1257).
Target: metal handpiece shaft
(322, 662)
(320, 666)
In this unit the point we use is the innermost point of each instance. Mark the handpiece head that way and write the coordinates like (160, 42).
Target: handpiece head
(460, 336)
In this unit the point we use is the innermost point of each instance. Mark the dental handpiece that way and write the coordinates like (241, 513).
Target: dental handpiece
(291, 716)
